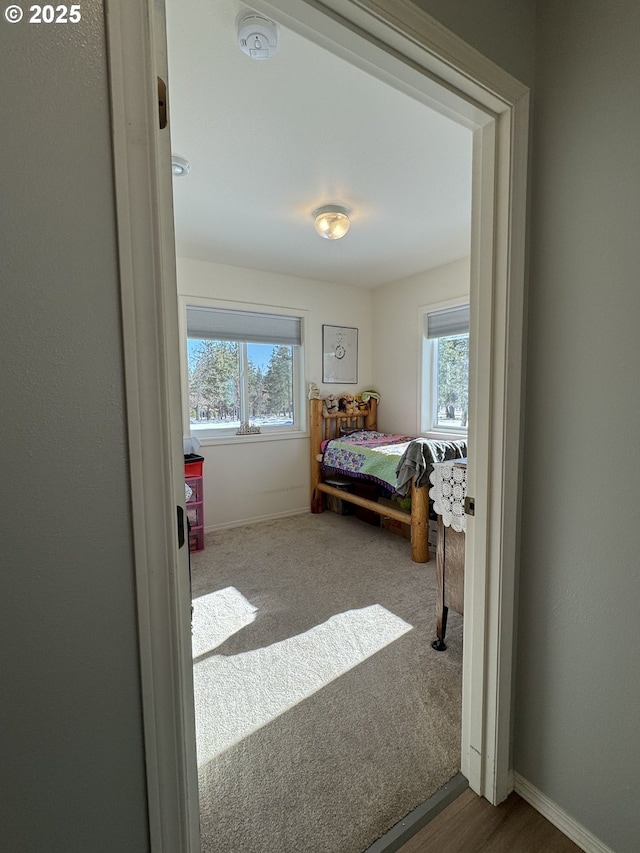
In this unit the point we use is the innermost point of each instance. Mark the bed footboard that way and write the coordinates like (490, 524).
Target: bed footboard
(325, 427)
(418, 518)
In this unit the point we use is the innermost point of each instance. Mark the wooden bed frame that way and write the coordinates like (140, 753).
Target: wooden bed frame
(325, 427)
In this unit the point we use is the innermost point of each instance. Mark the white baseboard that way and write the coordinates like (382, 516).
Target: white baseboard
(241, 523)
(555, 815)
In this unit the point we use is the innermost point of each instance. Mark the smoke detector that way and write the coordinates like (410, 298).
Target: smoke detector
(257, 35)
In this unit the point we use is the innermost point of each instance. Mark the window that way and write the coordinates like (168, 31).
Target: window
(445, 369)
(243, 367)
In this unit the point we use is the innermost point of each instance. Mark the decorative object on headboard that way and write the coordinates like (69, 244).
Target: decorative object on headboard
(339, 355)
(347, 404)
(330, 405)
(363, 398)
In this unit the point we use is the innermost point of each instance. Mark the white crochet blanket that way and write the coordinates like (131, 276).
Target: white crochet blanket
(448, 493)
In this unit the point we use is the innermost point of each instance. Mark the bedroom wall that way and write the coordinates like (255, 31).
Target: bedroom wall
(73, 774)
(253, 479)
(398, 334)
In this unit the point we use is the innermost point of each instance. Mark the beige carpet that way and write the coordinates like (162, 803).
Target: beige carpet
(323, 715)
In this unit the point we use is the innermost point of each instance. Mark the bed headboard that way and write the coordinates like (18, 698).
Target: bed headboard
(326, 426)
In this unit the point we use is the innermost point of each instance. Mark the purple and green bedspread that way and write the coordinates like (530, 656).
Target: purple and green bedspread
(388, 460)
(366, 455)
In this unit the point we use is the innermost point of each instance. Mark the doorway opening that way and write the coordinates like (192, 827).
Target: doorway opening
(267, 147)
(499, 125)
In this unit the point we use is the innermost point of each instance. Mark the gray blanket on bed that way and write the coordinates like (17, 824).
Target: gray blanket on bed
(420, 455)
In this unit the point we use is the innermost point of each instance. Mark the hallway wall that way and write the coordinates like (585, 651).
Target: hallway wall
(72, 748)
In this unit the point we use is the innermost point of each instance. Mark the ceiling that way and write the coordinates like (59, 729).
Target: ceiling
(270, 141)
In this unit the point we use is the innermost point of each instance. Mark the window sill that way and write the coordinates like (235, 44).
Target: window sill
(211, 441)
(445, 436)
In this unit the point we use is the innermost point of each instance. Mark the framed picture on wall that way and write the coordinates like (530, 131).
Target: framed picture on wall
(339, 355)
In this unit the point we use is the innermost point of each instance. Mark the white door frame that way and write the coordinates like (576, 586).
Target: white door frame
(398, 43)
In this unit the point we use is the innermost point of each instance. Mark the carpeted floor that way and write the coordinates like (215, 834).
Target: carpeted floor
(323, 715)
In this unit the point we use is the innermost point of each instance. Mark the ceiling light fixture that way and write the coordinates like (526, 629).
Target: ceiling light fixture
(179, 166)
(331, 221)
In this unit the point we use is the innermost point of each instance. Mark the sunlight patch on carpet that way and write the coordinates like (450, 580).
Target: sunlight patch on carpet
(218, 616)
(239, 694)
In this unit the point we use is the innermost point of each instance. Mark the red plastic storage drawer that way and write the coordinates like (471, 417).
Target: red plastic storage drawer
(193, 465)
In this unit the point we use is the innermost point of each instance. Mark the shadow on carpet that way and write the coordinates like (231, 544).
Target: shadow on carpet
(323, 716)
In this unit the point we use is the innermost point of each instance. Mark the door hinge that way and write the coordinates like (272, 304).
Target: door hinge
(162, 103)
(470, 505)
(181, 538)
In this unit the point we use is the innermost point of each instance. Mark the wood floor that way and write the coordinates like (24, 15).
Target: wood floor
(471, 824)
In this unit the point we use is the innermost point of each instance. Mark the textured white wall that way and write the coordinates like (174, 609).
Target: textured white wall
(398, 335)
(253, 480)
(72, 750)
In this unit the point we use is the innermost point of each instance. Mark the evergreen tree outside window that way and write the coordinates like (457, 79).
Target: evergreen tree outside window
(445, 369)
(242, 367)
